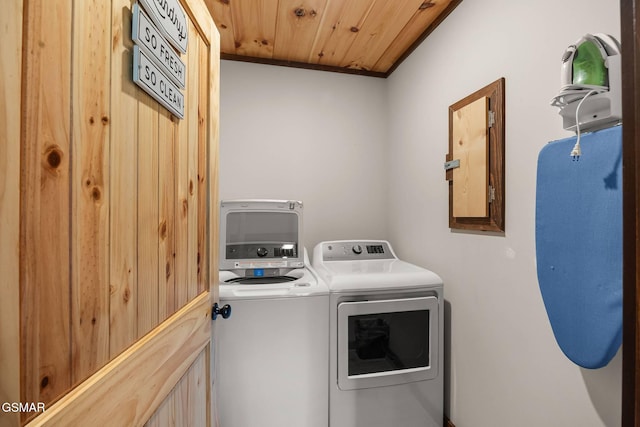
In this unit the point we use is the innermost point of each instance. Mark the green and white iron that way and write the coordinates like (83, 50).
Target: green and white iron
(590, 79)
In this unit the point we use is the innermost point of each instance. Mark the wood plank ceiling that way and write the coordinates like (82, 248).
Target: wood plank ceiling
(370, 37)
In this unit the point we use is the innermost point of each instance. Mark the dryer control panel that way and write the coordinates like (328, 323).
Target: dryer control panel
(349, 250)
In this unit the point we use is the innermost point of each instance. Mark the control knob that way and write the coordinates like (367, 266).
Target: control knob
(357, 249)
(262, 252)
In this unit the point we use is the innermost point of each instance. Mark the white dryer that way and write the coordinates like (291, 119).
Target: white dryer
(271, 354)
(385, 337)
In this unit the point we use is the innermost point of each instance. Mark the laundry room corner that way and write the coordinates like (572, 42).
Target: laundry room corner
(366, 157)
(503, 365)
(307, 135)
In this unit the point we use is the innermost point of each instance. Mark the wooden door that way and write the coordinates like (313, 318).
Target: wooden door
(630, 18)
(108, 248)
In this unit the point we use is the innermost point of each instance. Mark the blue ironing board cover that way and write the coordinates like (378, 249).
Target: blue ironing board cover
(579, 244)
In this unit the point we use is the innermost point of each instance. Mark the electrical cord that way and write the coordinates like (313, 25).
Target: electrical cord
(577, 152)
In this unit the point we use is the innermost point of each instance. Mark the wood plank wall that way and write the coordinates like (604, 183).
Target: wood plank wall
(45, 207)
(10, 107)
(90, 189)
(113, 235)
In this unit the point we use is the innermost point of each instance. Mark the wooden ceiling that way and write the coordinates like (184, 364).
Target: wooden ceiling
(368, 37)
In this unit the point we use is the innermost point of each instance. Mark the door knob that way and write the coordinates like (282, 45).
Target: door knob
(224, 311)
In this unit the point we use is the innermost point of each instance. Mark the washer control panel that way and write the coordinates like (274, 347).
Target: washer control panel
(356, 250)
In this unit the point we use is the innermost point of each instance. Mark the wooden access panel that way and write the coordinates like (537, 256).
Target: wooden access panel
(106, 245)
(471, 149)
(475, 162)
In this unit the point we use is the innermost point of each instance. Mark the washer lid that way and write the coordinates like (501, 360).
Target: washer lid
(375, 275)
(260, 234)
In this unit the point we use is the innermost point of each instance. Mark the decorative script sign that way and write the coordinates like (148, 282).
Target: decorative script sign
(170, 18)
(145, 35)
(156, 83)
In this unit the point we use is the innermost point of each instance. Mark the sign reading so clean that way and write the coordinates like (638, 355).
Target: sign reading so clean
(157, 67)
(156, 83)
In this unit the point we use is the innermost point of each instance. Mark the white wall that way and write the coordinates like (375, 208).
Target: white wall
(307, 135)
(504, 366)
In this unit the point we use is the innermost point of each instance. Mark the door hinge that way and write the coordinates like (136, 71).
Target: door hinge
(492, 118)
(492, 194)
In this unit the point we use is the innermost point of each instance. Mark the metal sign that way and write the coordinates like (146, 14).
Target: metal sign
(170, 19)
(145, 35)
(155, 83)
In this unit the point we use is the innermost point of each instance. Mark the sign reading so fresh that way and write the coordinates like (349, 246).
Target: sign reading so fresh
(157, 67)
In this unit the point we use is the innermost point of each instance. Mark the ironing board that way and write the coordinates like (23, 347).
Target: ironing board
(579, 244)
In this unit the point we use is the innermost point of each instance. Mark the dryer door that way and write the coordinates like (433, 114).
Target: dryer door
(387, 342)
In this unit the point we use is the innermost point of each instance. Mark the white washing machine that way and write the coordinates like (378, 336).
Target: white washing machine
(385, 337)
(271, 354)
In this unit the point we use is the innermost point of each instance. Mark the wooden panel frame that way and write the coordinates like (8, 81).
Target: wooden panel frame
(630, 19)
(187, 403)
(192, 173)
(165, 355)
(10, 108)
(495, 221)
(212, 154)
